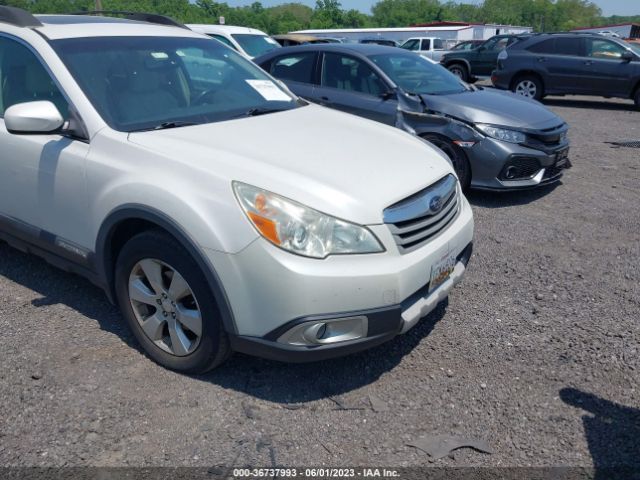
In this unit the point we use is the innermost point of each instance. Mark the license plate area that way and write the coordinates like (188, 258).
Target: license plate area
(441, 271)
(562, 158)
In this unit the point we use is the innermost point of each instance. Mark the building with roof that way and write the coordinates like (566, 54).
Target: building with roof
(450, 32)
(624, 30)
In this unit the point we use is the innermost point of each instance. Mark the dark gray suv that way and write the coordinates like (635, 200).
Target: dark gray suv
(570, 63)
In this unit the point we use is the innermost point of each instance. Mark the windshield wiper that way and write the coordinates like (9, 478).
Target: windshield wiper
(174, 124)
(254, 112)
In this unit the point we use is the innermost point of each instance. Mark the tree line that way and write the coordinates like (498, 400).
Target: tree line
(542, 15)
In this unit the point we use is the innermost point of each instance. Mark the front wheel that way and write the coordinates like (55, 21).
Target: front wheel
(459, 71)
(636, 99)
(529, 86)
(166, 300)
(456, 155)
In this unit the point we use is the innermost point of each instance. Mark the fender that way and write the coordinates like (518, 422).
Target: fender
(104, 262)
(460, 60)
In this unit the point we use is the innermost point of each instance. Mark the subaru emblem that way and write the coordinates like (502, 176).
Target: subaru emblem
(435, 204)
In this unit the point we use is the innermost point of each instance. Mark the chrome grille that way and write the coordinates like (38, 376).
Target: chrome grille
(419, 218)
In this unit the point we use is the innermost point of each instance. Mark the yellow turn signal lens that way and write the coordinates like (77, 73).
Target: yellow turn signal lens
(266, 227)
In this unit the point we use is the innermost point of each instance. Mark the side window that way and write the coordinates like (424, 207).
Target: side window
(437, 44)
(500, 45)
(569, 46)
(411, 45)
(222, 39)
(296, 67)
(426, 44)
(346, 73)
(598, 48)
(546, 46)
(24, 79)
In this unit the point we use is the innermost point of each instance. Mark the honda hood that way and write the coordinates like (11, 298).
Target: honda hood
(494, 107)
(336, 163)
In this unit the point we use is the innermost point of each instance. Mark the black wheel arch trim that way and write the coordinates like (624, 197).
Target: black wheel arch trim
(104, 263)
(463, 61)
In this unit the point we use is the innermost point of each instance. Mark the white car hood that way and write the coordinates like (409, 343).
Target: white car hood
(333, 162)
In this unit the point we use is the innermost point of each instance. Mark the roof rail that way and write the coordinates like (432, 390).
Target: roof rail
(139, 16)
(18, 17)
(567, 33)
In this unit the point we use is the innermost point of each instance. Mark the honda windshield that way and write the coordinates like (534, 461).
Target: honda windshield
(415, 74)
(142, 83)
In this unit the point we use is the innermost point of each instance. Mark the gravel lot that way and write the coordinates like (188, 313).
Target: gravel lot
(537, 352)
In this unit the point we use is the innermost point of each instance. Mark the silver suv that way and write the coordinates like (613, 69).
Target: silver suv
(217, 209)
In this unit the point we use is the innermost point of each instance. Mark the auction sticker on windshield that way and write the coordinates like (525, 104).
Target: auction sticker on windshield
(441, 271)
(269, 90)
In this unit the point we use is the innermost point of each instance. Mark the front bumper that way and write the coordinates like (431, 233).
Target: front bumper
(270, 290)
(383, 325)
(490, 158)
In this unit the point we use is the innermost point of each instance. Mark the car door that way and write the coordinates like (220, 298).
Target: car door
(607, 72)
(353, 86)
(425, 46)
(297, 70)
(561, 61)
(42, 180)
(485, 57)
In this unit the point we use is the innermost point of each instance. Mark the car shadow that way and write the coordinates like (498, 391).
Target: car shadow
(612, 432)
(290, 384)
(268, 380)
(58, 287)
(596, 104)
(490, 199)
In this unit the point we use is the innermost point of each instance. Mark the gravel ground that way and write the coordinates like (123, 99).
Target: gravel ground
(536, 352)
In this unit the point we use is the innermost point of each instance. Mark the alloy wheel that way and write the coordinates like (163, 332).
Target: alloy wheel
(165, 307)
(527, 88)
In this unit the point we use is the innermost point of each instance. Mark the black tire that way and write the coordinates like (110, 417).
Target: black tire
(457, 156)
(460, 70)
(636, 98)
(213, 344)
(529, 86)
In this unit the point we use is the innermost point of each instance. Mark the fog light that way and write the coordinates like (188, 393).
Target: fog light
(326, 331)
(511, 172)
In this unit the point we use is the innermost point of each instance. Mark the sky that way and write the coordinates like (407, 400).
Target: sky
(609, 7)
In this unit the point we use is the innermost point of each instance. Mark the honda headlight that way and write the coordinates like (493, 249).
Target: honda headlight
(511, 136)
(302, 230)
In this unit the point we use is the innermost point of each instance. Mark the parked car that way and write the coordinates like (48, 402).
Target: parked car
(479, 61)
(293, 39)
(609, 33)
(248, 41)
(428, 47)
(184, 196)
(466, 45)
(495, 140)
(569, 63)
(379, 41)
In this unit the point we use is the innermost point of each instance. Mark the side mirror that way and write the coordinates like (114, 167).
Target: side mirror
(627, 56)
(33, 117)
(389, 94)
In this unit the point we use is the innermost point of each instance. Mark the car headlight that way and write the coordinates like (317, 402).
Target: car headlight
(511, 136)
(302, 230)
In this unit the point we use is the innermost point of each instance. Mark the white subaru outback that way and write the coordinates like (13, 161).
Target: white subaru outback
(218, 210)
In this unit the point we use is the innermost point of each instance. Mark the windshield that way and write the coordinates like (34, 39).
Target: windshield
(415, 74)
(139, 83)
(634, 46)
(255, 45)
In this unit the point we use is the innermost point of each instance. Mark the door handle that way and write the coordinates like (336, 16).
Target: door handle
(542, 59)
(589, 62)
(324, 100)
